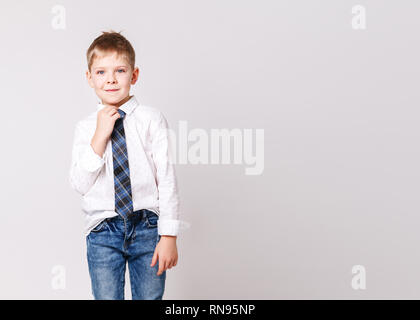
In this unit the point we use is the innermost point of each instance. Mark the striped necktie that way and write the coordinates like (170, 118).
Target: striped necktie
(122, 185)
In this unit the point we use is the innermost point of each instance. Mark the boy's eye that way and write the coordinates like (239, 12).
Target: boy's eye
(102, 72)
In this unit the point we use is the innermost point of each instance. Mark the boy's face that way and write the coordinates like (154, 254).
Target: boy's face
(111, 77)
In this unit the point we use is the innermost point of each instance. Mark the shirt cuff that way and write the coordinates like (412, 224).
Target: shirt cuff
(90, 160)
(170, 227)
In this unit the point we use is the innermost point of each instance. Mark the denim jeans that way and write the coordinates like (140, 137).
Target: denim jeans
(117, 241)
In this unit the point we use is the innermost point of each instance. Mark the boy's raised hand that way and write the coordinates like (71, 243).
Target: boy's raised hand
(106, 121)
(104, 125)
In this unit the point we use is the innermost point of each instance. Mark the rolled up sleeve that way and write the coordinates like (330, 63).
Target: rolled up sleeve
(169, 222)
(85, 164)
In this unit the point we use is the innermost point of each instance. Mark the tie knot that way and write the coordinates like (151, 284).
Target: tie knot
(122, 113)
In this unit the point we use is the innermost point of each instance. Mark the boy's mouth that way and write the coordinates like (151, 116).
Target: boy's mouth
(111, 90)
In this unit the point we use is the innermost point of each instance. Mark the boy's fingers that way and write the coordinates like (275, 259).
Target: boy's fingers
(154, 259)
(112, 111)
(161, 267)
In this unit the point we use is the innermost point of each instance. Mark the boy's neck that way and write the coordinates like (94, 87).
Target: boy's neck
(119, 104)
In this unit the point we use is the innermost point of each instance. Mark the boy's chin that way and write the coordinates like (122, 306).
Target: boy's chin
(111, 101)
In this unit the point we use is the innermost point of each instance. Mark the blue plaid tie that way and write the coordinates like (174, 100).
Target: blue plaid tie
(122, 185)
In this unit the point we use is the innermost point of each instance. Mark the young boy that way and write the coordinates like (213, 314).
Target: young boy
(121, 167)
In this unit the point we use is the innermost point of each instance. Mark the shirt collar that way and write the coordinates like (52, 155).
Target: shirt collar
(127, 107)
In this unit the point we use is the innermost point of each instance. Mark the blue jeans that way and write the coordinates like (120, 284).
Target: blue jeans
(117, 241)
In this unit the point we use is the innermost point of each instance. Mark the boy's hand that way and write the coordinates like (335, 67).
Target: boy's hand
(167, 254)
(104, 126)
(106, 121)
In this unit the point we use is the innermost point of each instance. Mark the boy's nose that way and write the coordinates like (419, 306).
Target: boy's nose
(111, 78)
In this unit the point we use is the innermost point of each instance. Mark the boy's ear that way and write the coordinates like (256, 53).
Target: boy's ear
(135, 75)
(89, 78)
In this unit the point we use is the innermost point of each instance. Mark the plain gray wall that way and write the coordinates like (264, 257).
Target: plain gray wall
(339, 109)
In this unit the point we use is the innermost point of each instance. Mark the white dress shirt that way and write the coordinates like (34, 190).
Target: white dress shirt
(152, 175)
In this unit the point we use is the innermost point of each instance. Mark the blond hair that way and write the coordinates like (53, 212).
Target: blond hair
(109, 42)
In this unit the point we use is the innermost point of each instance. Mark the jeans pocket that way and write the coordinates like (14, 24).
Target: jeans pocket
(152, 220)
(100, 227)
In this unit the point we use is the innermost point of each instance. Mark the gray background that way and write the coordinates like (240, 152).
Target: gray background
(340, 112)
